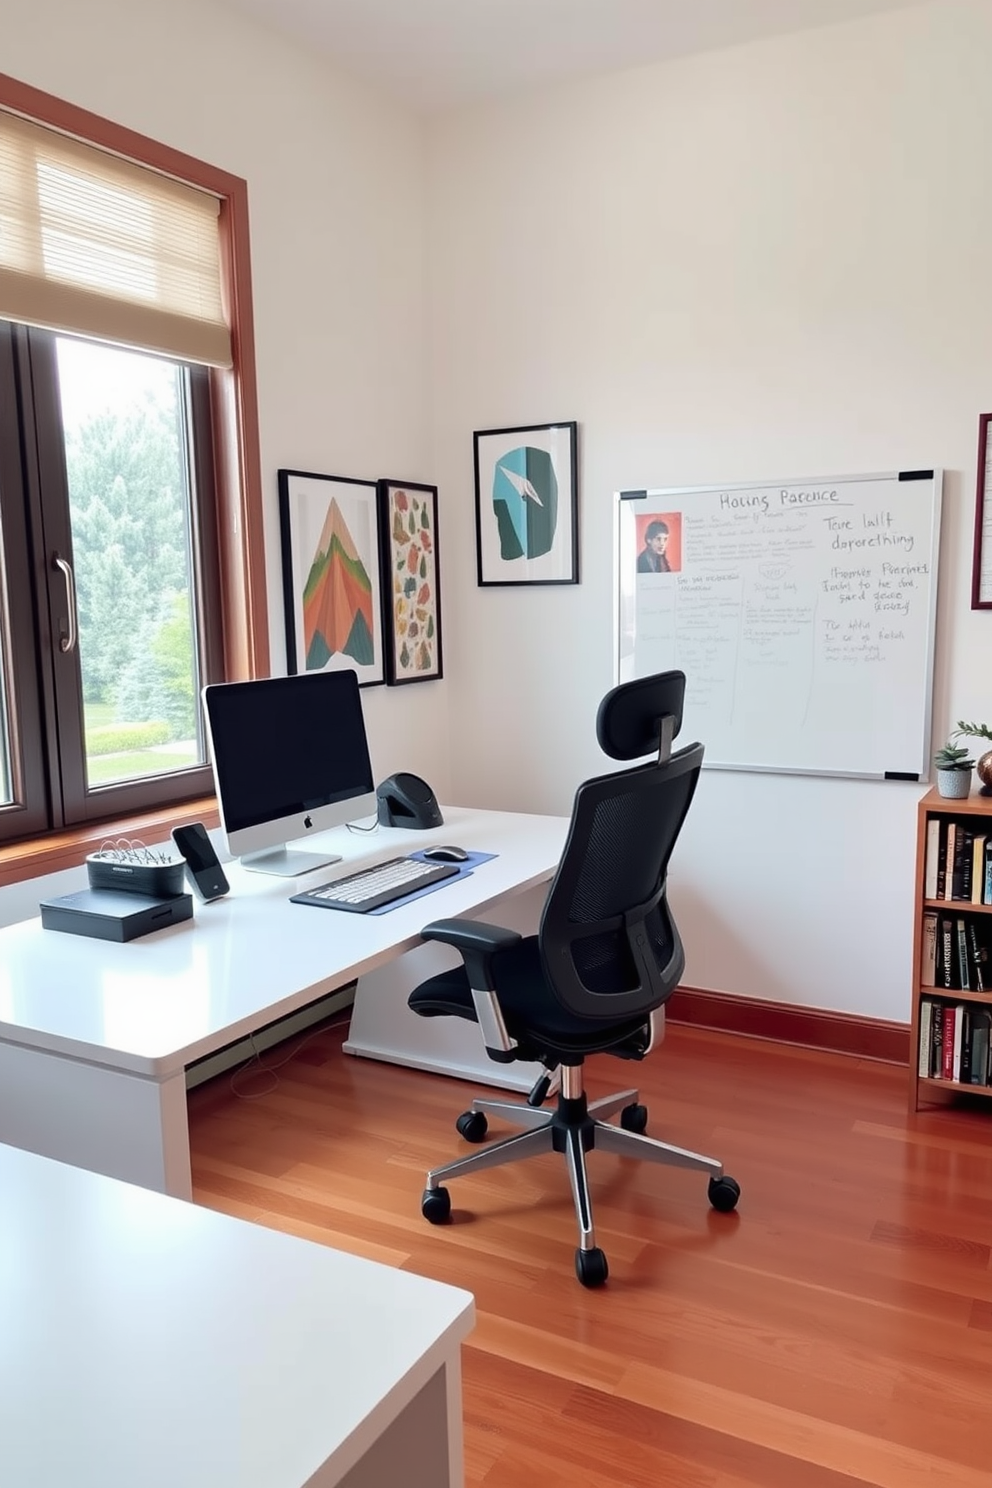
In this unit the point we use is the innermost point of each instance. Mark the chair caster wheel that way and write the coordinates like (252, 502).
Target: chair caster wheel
(723, 1193)
(435, 1206)
(591, 1267)
(472, 1125)
(634, 1118)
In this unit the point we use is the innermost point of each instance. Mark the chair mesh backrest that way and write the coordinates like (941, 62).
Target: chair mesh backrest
(610, 947)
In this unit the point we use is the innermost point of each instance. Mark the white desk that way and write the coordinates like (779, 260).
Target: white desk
(95, 1037)
(148, 1342)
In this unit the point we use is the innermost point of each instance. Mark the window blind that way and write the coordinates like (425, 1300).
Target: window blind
(95, 244)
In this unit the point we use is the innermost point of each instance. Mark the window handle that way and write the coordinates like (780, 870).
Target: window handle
(67, 642)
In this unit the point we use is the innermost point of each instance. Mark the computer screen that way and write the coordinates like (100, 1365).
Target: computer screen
(290, 759)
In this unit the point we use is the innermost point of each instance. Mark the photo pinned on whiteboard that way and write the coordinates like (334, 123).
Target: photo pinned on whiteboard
(659, 543)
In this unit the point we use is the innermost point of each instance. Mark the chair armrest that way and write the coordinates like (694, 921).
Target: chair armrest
(477, 943)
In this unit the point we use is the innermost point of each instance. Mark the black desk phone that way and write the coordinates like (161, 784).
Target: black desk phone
(405, 800)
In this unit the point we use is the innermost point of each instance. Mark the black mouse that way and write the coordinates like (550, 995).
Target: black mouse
(446, 854)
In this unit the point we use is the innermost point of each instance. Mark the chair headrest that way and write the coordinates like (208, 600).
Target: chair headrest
(628, 724)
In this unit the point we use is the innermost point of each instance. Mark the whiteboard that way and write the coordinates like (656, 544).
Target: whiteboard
(802, 613)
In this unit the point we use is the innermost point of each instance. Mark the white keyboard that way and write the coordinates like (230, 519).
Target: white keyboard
(372, 887)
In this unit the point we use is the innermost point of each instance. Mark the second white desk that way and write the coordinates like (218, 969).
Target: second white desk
(149, 1344)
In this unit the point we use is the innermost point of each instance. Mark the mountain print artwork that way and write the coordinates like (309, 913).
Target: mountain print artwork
(337, 598)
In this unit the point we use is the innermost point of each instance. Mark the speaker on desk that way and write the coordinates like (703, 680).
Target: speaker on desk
(407, 801)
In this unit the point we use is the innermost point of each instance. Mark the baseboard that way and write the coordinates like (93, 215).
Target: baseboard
(783, 1022)
(266, 1038)
(812, 1028)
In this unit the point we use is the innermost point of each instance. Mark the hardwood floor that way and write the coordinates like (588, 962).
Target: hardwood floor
(836, 1331)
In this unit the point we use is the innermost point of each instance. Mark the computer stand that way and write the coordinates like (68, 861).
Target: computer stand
(286, 862)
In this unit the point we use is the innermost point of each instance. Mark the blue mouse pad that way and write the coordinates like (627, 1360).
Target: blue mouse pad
(464, 869)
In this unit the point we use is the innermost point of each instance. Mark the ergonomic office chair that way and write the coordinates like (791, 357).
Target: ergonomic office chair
(595, 977)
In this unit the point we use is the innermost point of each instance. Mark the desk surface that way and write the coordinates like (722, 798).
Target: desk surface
(154, 1005)
(148, 1341)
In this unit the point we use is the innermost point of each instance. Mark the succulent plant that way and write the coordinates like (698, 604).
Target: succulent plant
(953, 757)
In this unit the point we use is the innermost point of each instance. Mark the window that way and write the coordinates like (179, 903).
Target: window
(122, 606)
(131, 562)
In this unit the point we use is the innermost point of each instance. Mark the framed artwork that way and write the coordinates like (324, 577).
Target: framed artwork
(410, 578)
(526, 505)
(331, 566)
(981, 570)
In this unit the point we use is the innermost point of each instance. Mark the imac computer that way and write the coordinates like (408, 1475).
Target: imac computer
(290, 759)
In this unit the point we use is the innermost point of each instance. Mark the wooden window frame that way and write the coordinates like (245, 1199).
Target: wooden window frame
(237, 461)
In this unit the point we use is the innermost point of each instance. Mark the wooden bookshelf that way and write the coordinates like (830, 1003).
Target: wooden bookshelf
(975, 814)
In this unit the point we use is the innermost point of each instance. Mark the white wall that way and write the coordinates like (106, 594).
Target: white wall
(337, 210)
(758, 263)
(767, 262)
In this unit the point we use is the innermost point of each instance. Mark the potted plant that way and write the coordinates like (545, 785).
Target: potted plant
(954, 767)
(983, 768)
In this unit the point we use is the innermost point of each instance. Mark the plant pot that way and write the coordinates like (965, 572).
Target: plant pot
(954, 785)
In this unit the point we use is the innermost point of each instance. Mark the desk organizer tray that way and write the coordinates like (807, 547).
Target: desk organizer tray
(136, 872)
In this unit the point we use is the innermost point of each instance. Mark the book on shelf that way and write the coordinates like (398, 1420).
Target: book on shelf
(945, 951)
(978, 867)
(947, 1052)
(937, 1040)
(987, 892)
(924, 1053)
(950, 847)
(981, 1039)
(928, 958)
(962, 1053)
(936, 835)
(978, 956)
(963, 955)
(960, 864)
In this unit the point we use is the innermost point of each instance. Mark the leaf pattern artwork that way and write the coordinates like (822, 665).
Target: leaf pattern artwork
(410, 524)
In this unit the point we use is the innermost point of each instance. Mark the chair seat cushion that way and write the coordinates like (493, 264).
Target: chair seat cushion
(532, 1013)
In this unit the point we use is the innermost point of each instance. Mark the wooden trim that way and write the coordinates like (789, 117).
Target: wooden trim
(68, 849)
(238, 460)
(46, 108)
(785, 1023)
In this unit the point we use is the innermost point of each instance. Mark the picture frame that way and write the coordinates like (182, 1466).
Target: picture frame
(526, 504)
(410, 581)
(981, 569)
(332, 574)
